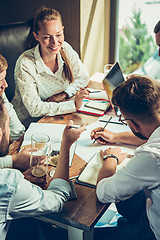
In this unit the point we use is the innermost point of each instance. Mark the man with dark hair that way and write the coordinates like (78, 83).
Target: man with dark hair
(157, 35)
(20, 160)
(124, 137)
(18, 197)
(136, 187)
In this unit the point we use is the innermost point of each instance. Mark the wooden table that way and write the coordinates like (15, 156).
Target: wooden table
(78, 216)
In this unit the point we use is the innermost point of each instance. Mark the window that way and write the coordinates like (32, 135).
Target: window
(137, 47)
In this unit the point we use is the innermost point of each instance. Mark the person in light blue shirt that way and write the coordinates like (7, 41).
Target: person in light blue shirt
(135, 188)
(20, 160)
(18, 197)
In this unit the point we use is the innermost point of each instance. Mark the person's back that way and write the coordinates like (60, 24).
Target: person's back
(20, 198)
(135, 188)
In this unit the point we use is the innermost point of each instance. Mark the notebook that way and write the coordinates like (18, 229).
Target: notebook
(88, 176)
(94, 107)
(112, 79)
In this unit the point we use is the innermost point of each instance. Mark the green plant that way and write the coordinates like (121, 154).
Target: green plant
(136, 45)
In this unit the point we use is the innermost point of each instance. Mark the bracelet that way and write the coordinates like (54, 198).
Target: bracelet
(111, 156)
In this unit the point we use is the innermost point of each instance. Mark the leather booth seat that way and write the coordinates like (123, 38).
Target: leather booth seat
(13, 41)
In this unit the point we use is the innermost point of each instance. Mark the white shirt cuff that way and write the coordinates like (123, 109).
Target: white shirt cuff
(6, 162)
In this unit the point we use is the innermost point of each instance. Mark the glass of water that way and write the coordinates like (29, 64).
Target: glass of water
(39, 154)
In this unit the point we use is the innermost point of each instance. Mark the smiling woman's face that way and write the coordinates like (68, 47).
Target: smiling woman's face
(50, 36)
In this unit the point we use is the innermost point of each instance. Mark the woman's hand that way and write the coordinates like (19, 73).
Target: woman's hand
(59, 97)
(80, 95)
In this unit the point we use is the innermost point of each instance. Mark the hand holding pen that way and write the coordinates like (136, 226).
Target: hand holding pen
(102, 135)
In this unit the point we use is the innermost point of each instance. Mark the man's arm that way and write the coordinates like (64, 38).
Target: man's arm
(6, 162)
(30, 200)
(70, 135)
(106, 136)
(109, 166)
(16, 127)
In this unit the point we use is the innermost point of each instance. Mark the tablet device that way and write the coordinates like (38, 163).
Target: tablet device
(112, 79)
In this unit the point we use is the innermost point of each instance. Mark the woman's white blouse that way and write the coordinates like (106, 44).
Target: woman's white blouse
(35, 82)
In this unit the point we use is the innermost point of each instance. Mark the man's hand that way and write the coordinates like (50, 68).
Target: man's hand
(28, 176)
(109, 166)
(21, 160)
(102, 136)
(115, 151)
(80, 95)
(70, 135)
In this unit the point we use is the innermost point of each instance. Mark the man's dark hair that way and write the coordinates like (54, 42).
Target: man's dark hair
(139, 96)
(157, 27)
(2, 114)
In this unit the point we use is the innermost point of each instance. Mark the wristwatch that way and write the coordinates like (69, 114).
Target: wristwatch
(111, 156)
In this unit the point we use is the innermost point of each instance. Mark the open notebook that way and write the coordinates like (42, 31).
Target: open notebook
(54, 131)
(89, 175)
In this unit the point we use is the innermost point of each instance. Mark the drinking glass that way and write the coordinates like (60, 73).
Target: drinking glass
(39, 154)
(107, 68)
(53, 155)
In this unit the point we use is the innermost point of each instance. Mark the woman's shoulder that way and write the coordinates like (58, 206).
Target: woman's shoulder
(67, 47)
(72, 54)
(27, 57)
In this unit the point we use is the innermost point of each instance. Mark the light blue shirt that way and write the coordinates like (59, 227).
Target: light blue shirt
(20, 198)
(16, 130)
(16, 127)
(141, 173)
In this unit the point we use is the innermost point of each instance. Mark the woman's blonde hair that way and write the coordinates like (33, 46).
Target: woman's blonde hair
(45, 14)
(3, 63)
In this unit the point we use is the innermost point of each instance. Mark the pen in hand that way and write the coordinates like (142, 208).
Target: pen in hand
(103, 128)
(76, 127)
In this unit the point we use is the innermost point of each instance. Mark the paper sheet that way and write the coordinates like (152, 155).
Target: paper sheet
(85, 147)
(97, 94)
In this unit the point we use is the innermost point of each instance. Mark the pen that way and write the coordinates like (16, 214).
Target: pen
(95, 91)
(76, 127)
(112, 122)
(103, 128)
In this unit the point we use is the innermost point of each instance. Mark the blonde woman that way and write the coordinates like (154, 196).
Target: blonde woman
(51, 68)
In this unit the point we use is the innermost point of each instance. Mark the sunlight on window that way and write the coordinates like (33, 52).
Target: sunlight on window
(136, 38)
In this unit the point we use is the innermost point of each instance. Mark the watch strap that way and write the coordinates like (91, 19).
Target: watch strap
(111, 156)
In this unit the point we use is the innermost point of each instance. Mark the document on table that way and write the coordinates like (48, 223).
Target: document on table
(90, 152)
(97, 94)
(54, 131)
(86, 148)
